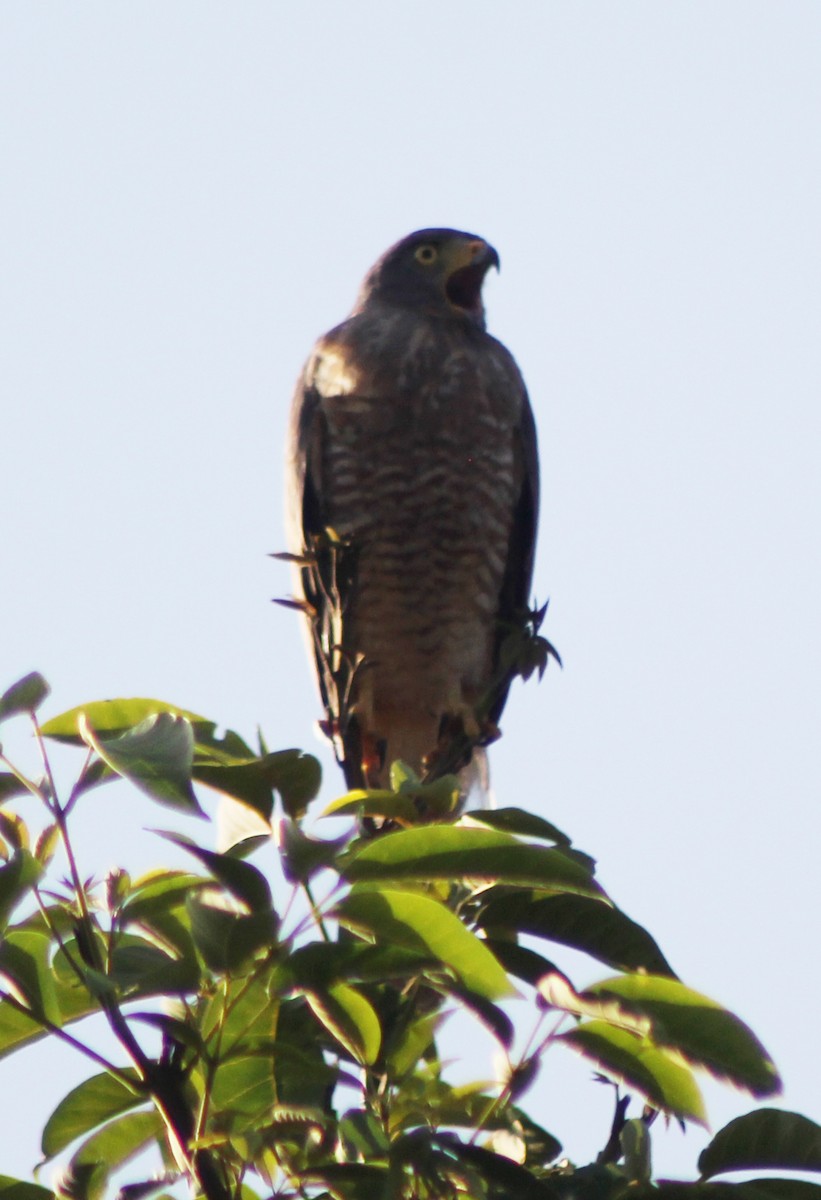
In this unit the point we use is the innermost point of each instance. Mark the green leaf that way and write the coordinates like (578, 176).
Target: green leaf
(158, 905)
(156, 756)
(239, 878)
(243, 1087)
(499, 1172)
(641, 1064)
(420, 923)
(373, 802)
(159, 891)
(24, 696)
(350, 1019)
(541, 1147)
(363, 1136)
(11, 786)
(225, 939)
(349, 1181)
(112, 717)
(112, 1146)
(406, 1046)
(141, 969)
(752, 1189)
(17, 1029)
(522, 962)
(318, 964)
(24, 959)
(458, 852)
(521, 822)
(768, 1137)
(695, 1026)
(48, 841)
(16, 1189)
(303, 1078)
(95, 1100)
(774, 1189)
(492, 1017)
(17, 878)
(594, 926)
(303, 856)
(635, 1144)
(253, 780)
(14, 830)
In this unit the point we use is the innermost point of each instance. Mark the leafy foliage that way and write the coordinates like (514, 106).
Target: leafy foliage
(301, 1034)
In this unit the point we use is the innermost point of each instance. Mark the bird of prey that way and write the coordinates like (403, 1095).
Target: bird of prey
(412, 482)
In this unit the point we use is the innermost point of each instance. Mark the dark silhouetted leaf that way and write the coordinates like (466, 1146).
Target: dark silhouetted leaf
(593, 926)
(226, 939)
(24, 696)
(768, 1137)
(143, 969)
(303, 856)
(753, 1189)
(319, 964)
(521, 822)
(522, 962)
(239, 878)
(488, 1013)
(16, 1189)
(11, 786)
(349, 1181)
(253, 780)
(502, 1173)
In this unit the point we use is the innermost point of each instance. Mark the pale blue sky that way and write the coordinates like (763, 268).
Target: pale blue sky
(192, 193)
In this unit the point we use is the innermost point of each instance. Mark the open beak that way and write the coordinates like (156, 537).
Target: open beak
(470, 260)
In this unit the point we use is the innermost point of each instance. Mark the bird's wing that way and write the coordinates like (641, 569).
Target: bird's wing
(326, 573)
(515, 595)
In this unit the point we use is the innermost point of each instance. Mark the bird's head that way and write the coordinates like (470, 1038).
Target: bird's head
(439, 270)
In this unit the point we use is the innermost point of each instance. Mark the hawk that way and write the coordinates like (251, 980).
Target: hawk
(413, 488)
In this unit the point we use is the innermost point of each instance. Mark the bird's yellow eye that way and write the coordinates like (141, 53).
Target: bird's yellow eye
(426, 255)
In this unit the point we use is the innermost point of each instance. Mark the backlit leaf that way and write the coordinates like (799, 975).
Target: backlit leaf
(156, 756)
(454, 852)
(112, 717)
(701, 1030)
(350, 1018)
(641, 1064)
(24, 959)
(95, 1100)
(420, 923)
(17, 878)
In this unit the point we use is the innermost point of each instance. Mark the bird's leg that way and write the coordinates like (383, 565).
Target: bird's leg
(372, 759)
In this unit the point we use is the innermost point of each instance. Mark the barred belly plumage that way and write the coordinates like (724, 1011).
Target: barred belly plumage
(428, 511)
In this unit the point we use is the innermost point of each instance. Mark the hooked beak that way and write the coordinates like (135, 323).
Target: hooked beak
(470, 261)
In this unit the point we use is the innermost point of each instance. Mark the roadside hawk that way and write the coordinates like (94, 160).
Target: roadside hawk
(413, 496)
